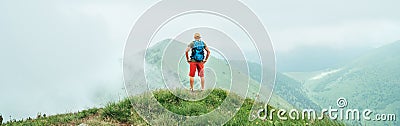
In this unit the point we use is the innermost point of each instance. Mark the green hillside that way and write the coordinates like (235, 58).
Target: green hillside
(292, 91)
(122, 113)
(370, 81)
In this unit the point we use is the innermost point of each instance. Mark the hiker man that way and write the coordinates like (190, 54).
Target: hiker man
(196, 59)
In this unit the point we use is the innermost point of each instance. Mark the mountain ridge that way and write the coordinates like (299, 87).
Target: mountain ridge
(370, 81)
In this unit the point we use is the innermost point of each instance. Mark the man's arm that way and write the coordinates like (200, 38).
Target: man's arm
(187, 53)
(208, 53)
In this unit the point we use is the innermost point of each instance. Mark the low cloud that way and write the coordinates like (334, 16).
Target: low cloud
(340, 35)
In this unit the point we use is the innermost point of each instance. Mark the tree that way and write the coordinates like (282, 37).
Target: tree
(1, 119)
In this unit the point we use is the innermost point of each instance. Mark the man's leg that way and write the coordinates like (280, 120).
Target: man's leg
(202, 83)
(201, 74)
(192, 72)
(191, 83)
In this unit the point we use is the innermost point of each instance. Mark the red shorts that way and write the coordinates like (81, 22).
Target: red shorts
(196, 65)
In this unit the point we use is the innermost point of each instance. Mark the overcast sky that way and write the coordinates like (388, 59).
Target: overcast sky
(61, 56)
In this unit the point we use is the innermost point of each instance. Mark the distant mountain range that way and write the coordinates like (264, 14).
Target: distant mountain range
(371, 81)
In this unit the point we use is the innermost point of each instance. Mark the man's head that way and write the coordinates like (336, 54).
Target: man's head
(197, 36)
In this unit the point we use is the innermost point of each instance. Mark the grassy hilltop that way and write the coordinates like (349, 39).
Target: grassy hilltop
(122, 113)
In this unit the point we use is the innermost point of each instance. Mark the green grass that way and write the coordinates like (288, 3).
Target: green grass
(190, 108)
(122, 112)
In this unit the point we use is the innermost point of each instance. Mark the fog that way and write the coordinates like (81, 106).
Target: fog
(65, 56)
(60, 56)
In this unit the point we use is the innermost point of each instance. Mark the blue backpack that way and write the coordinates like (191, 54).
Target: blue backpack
(198, 51)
